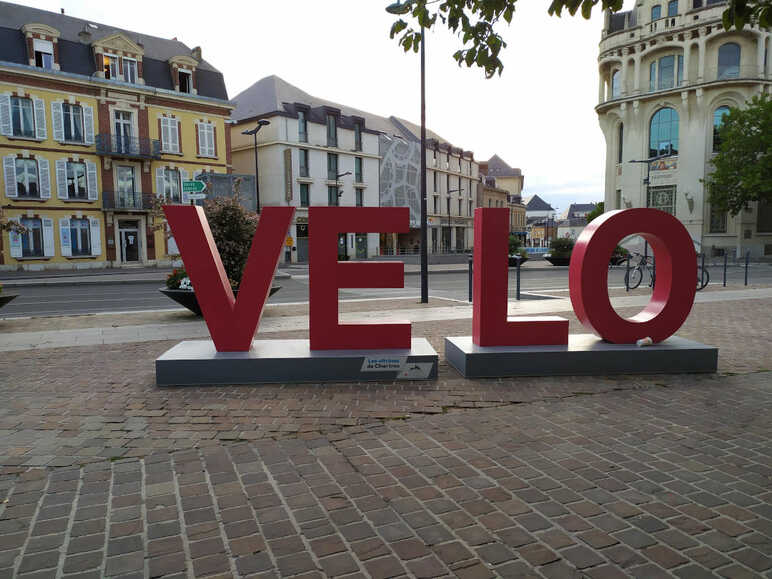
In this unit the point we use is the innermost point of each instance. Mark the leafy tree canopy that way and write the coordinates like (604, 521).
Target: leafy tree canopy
(743, 164)
(478, 23)
(599, 209)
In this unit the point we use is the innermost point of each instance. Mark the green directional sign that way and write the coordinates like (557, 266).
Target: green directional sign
(193, 186)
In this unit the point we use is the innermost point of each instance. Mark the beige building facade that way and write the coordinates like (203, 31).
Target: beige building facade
(668, 73)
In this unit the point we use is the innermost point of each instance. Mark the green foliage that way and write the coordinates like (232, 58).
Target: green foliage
(514, 244)
(478, 23)
(561, 247)
(599, 209)
(743, 165)
(233, 228)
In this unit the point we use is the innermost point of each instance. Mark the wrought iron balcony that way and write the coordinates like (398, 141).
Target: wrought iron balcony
(127, 201)
(120, 146)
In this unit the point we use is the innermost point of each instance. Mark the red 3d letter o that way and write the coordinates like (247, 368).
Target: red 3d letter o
(673, 294)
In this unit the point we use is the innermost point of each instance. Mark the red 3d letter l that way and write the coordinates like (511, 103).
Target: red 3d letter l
(232, 322)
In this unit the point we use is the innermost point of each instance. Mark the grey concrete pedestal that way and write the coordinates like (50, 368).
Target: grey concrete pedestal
(585, 354)
(196, 362)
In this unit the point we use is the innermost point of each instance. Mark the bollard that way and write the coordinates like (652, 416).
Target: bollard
(627, 273)
(702, 266)
(747, 258)
(518, 279)
(726, 254)
(470, 279)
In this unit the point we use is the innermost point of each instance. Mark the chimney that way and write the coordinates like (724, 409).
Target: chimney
(62, 9)
(85, 36)
(196, 52)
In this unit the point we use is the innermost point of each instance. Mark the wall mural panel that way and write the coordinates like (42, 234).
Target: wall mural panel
(400, 170)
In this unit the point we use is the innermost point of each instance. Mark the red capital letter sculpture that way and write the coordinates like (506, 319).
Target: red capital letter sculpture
(326, 275)
(673, 294)
(232, 322)
(489, 310)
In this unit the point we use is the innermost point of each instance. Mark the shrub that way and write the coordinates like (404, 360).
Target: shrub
(514, 244)
(561, 247)
(174, 279)
(233, 228)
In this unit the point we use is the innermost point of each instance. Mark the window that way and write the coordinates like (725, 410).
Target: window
(186, 81)
(304, 194)
(656, 12)
(616, 89)
(666, 69)
(620, 143)
(332, 196)
(129, 70)
(302, 127)
(653, 76)
(358, 170)
(32, 241)
(22, 117)
(672, 8)
(44, 53)
(728, 60)
(360, 197)
(123, 131)
(436, 205)
(718, 120)
(469, 209)
(126, 187)
(662, 198)
(717, 220)
(447, 205)
(447, 185)
(171, 190)
(76, 181)
(434, 178)
(206, 144)
(332, 130)
(618, 199)
(72, 116)
(303, 162)
(80, 239)
(110, 62)
(680, 75)
(332, 166)
(27, 178)
(170, 136)
(459, 206)
(357, 136)
(663, 133)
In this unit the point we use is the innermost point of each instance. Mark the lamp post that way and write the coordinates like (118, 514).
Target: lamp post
(404, 8)
(260, 124)
(646, 182)
(338, 176)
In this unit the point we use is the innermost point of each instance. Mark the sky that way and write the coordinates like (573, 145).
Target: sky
(538, 115)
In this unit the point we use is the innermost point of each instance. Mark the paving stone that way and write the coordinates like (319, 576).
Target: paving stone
(123, 564)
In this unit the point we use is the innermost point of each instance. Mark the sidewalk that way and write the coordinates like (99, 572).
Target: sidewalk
(103, 474)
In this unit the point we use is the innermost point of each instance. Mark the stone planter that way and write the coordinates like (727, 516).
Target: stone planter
(187, 298)
(558, 260)
(5, 298)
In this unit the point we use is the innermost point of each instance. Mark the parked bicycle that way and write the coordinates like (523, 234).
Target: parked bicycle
(635, 274)
(703, 277)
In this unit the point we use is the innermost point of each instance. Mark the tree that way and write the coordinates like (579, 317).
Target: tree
(561, 247)
(479, 22)
(233, 228)
(599, 209)
(514, 244)
(743, 164)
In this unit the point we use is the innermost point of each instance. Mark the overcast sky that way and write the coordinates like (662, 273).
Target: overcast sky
(537, 116)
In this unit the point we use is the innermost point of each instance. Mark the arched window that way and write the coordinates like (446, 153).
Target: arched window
(616, 78)
(656, 12)
(620, 143)
(672, 8)
(728, 60)
(663, 133)
(718, 120)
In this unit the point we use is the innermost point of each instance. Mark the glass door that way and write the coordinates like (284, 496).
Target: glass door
(122, 132)
(127, 196)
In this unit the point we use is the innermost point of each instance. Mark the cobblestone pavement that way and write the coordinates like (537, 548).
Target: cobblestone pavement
(104, 474)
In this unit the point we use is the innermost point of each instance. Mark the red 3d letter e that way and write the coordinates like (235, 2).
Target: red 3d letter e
(232, 322)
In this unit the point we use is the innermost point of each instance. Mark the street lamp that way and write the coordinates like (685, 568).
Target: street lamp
(646, 182)
(338, 176)
(400, 8)
(260, 124)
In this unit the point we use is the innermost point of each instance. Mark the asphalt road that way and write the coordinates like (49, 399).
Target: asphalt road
(116, 297)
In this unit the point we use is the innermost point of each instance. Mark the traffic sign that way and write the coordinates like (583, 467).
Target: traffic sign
(193, 186)
(196, 196)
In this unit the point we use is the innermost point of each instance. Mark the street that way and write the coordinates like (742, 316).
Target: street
(54, 300)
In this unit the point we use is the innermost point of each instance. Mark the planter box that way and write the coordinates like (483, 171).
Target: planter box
(558, 260)
(187, 298)
(5, 298)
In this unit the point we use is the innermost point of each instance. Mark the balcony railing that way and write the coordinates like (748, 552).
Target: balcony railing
(120, 146)
(127, 201)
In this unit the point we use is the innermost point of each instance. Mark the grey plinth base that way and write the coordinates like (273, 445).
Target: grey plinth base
(585, 354)
(196, 362)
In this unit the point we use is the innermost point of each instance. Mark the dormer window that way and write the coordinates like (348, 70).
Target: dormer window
(111, 70)
(44, 53)
(129, 70)
(186, 81)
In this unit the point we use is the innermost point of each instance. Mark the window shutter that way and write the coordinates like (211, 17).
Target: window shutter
(57, 118)
(164, 134)
(88, 125)
(185, 195)
(44, 176)
(174, 135)
(96, 236)
(64, 237)
(200, 138)
(210, 140)
(40, 119)
(159, 183)
(48, 237)
(5, 114)
(61, 179)
(91, 180)
(9, 168)
(15, 239)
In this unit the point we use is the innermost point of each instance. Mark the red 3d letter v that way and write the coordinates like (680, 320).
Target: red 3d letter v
(489, 310)
(232, 322)
(326, 275)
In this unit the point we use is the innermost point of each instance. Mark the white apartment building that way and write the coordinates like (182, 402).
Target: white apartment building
(668, 73)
